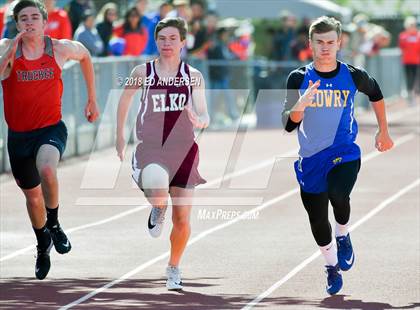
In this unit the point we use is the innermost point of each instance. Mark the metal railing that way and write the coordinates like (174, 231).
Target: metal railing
(249, 76)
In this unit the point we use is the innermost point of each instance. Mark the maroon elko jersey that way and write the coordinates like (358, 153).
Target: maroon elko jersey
(162, 120)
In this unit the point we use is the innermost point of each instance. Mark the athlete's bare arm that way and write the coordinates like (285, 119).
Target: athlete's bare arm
(198, 112)
(65, 50)
(383, 141)
(138, 74)
(7, 54)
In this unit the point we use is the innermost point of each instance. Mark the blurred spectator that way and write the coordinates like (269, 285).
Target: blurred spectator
(198, 31)
(300, 46)
(344, 54)
(141, 6)
(76, 8)
(306, 24)
(206, 36)
(220, 77)
(211, 23)
(58, 24)
(146, 22)
(133, 32)
(360, 22)
(240, 44)
(3, 11)
(367, 40)
(105, 24)
(87, 34)
(409, 42)
(9, 24)
(378, 38)
(197, 11)
(182, 9)
(282, 40)
(164, 10)
(155, 18)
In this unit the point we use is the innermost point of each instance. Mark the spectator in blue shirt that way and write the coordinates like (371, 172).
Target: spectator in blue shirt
(154, 19)
(87, 34)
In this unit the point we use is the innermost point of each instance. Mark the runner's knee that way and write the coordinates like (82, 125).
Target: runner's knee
(34, 200)
(47, 173)
(180, 222)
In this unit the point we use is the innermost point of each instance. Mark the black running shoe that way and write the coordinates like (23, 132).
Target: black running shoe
(61, 243)
(43, 264)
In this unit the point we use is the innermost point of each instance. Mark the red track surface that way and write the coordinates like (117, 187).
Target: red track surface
(234, 263)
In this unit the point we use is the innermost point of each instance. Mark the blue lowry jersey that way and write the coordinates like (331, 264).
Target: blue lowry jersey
(329, 121)
(328, 129)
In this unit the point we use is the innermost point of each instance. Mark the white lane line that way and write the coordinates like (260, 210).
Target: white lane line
(104, 221)
(232, 175)
(132, 201)
(208, 232)
(198, 201)
(122, 278)
(270, 161)
(311, 258)
(403, 113)
(166, 254)
(397, 142)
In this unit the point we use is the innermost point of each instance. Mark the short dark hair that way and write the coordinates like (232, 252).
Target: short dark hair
(22, 4)
(221, 31)
(176, 22)
(86, 14)
(325, 24)
(165, 3)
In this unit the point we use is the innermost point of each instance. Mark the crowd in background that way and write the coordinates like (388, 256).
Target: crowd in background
(359, 39)
(409, 43)
(129, 30)
(106, 33)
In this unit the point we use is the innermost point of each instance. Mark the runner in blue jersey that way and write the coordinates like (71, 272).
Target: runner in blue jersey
(320, 104)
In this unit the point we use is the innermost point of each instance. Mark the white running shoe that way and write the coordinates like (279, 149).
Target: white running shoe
(174, 282)
(155, 222)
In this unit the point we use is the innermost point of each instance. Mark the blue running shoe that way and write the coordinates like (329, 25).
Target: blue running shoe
(345, 253)
(334, 279)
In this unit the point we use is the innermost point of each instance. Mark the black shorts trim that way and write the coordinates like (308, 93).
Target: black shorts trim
(24, 146)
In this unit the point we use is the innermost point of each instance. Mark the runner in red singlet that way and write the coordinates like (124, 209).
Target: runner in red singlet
(30, 70)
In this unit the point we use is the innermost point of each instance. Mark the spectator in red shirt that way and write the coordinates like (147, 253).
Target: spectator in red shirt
(58, 25)
(409, 41)
(3, 10)
(133, 32)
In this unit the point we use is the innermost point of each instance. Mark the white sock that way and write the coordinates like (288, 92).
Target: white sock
(341, 230)
(330, 253)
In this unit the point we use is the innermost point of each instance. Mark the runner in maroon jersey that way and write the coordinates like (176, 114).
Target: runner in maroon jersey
(30, 70)
(166, 159)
